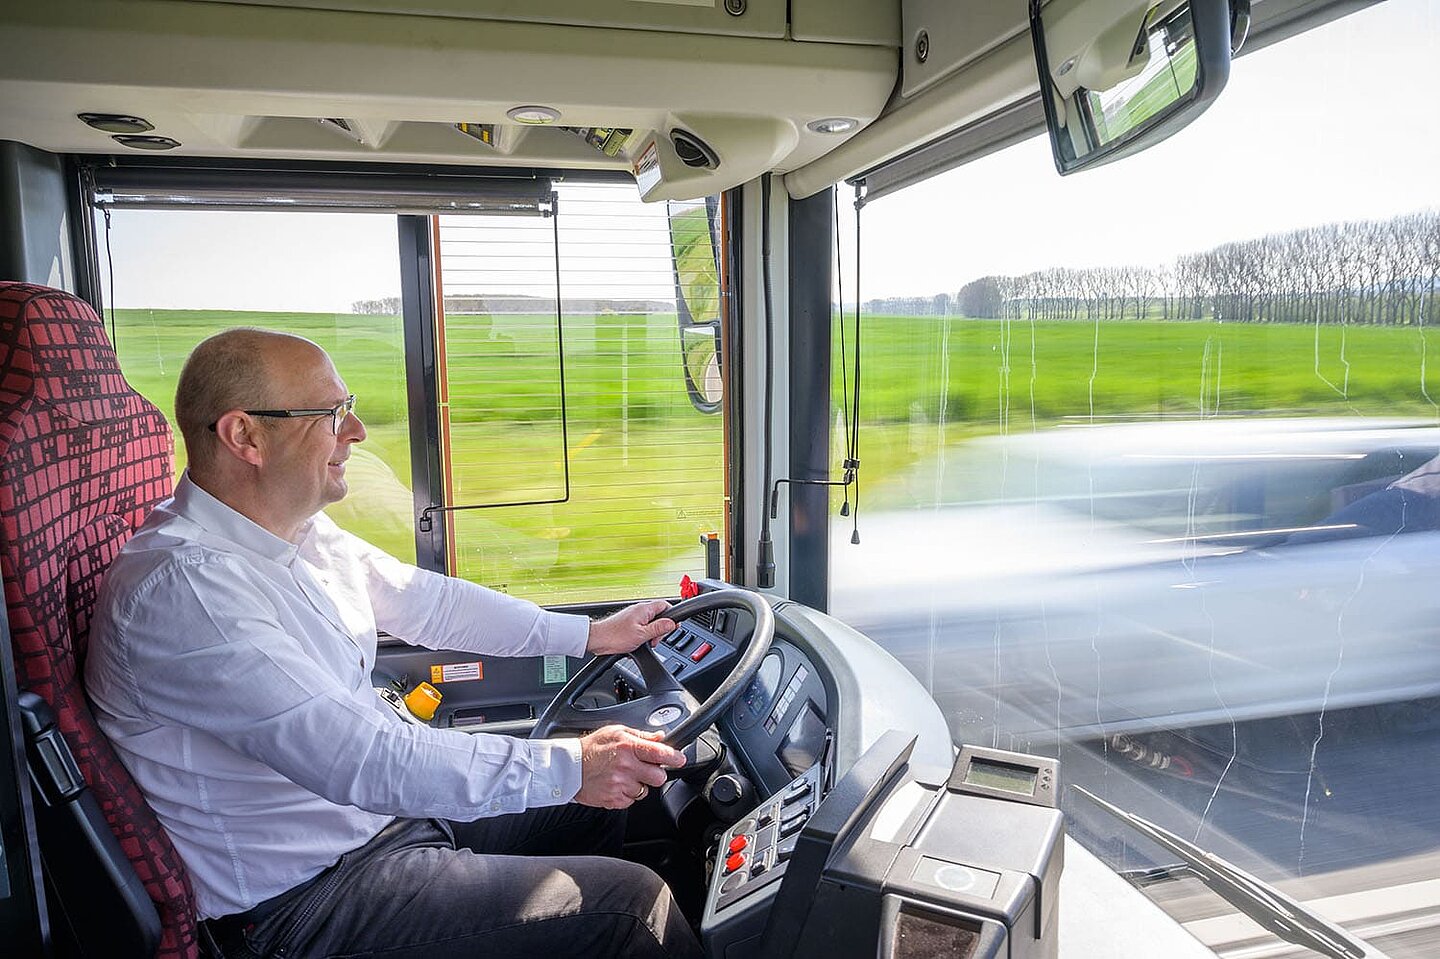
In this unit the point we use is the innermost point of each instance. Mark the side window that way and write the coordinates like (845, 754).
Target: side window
(1150, 477)
(180, 276)
(591, 473)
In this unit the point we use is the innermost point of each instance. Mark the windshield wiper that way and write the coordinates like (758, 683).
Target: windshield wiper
(1268, 906)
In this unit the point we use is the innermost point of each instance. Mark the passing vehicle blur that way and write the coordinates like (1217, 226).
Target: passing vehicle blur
(1084, 581)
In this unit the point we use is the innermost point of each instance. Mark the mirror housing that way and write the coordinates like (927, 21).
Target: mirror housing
(1119, 76)
(695, 264)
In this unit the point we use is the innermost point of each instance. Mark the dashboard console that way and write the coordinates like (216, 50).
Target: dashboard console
(895, 861)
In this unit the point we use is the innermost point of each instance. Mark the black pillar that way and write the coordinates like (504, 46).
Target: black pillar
(34, 230)
(812, 252)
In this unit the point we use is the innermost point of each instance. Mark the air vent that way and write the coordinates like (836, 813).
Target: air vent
(342, 126)
(693, 151)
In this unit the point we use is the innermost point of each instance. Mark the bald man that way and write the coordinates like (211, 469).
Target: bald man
(229, 664)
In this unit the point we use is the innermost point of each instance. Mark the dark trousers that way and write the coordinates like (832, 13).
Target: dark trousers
(511, 886)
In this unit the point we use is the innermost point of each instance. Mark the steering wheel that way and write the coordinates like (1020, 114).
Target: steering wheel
(665, 704)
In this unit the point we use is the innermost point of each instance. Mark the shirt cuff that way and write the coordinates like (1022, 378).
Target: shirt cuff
(555, 776)
(567, 634)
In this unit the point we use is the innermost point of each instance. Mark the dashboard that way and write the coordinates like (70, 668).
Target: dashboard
(781, 721)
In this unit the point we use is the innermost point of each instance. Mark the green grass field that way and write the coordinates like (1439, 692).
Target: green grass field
(992, 376)
(647, 468)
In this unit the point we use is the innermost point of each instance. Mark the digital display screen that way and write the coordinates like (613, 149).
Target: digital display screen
(801, 746)
(996, 775)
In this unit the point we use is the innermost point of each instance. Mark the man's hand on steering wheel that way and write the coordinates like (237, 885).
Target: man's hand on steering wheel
(623, 631)
(619, 765)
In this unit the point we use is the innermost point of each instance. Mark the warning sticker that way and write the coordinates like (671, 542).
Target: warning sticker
(554, 670)
(647, 167)
(456, 672)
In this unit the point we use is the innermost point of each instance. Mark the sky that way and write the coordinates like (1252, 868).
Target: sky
(1330, 125)
(1334, 124)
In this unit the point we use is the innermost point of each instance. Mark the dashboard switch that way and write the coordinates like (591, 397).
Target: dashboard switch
(736, 861)
(701, 652)
(792, 824)
(797, 790)
(739, 843)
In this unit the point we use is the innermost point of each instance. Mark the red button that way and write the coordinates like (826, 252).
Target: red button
(701, 652)
(739, 843)
(735, 862)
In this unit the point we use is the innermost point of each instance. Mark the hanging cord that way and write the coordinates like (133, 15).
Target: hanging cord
(852, 465)
(110, 265)
(844, 374)
(849, 413)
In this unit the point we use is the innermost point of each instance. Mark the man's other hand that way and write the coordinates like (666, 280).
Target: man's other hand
(619, 765)
(630, 627)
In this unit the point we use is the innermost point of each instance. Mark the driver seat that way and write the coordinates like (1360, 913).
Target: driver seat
(83, 458)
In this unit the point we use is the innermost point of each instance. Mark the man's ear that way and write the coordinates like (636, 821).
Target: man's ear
(239, 435)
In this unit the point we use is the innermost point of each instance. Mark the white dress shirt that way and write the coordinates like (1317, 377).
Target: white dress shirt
(231, 671)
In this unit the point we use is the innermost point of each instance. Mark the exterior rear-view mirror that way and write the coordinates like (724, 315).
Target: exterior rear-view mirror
(695, 262)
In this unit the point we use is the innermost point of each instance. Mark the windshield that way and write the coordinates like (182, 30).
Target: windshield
(1150, 477)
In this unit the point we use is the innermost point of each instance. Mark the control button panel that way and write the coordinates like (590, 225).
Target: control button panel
(754, 851)
(696, 646)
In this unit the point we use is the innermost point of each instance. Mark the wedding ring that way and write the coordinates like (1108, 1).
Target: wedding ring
(644, 791)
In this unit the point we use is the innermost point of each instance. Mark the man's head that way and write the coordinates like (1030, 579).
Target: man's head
(278, 470)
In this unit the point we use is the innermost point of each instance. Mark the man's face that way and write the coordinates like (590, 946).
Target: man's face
(305, 458)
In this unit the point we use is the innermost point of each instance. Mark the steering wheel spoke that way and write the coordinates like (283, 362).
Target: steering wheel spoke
(664, 704)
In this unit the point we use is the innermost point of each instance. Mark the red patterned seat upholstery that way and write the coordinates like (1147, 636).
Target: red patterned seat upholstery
(83, 458)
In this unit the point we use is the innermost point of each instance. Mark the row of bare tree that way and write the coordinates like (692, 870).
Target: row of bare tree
(1374, 272)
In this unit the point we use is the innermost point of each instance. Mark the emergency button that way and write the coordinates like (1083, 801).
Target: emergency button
(735, 861)
(701, 652)
(739, 843)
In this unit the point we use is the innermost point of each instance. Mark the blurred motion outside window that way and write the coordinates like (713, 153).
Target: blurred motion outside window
(1150, 475)
(180, 276)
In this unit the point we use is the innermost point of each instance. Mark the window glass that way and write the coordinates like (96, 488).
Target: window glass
(645, 466)
(180, 276)
(1150, 477)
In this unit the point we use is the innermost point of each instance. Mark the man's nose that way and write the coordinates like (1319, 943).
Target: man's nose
(352, 430)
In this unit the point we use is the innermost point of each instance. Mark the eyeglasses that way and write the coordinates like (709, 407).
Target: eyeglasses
(337, 413)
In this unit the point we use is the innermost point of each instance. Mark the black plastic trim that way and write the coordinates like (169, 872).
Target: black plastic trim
(733, 225)
(417, 289)
(812, 261)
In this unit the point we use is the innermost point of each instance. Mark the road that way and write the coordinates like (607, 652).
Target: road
(1357, 832)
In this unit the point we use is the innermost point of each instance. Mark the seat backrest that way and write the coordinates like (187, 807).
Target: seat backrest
(83, 458)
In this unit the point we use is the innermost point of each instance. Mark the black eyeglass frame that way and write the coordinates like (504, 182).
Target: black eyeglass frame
(337, 413)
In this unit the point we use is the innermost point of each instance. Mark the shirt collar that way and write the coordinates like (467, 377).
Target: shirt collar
(201, 508)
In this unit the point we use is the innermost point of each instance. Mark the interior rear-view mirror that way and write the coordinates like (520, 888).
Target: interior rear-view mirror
(1119, 76)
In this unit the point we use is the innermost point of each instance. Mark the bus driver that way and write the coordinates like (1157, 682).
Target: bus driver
(230, 663)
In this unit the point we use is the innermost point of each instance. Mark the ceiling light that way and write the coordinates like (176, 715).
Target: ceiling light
(116, 122)
(146, 143)
(533, 114)
(833, 125)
